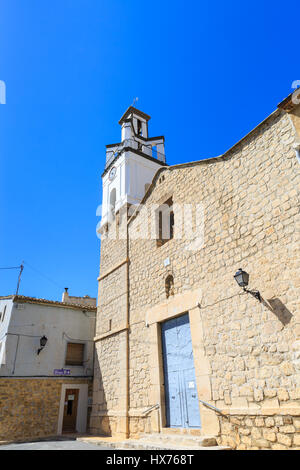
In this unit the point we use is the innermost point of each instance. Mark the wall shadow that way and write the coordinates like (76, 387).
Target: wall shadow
(279, 309)
(102, 425)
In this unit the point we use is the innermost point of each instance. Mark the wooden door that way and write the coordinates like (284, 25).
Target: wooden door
(70, 410)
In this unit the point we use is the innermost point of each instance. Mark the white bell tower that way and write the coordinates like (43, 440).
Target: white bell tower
(131, 164)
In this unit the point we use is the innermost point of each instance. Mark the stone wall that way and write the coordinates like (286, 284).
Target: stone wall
(109, 410)
(107, 375)
(251, 220)
(250, 201)
(261, 432)
(29, 408)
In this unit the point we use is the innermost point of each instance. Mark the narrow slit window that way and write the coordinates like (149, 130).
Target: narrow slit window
(112, 201)
(171, 224)
(169, 286)
(160, 221)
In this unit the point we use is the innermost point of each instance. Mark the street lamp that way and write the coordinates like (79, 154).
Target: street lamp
(43, 342)
(242, 278)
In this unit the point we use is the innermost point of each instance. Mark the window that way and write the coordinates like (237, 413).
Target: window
(160, 227)
(171, 224)
(112, 201)
(164, 223)
(169, 285)
(75, 354)
(139, 127)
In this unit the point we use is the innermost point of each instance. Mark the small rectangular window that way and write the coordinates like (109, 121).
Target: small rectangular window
(75, 354)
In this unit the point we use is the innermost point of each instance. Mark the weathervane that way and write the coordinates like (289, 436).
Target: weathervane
(134, 100)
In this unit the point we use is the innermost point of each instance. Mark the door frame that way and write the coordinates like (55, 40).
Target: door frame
(82, 407)
(177, 305)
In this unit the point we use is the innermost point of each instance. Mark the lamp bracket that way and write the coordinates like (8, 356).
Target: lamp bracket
(254, 293)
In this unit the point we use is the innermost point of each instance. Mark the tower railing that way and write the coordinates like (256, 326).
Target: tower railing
(134, 144)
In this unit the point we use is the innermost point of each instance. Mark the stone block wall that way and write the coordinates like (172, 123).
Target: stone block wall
(106, 375)
(29, 408)
(109, 409)
(250, 202)
(251, 220)
(260, 432)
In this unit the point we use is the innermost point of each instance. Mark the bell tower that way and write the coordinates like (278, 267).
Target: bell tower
(130, 164)
(129, 169)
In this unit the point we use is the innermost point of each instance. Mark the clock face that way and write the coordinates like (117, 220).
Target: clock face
(112, 173)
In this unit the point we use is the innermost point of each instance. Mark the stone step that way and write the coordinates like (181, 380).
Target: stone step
(139, 444)
(147, 444)
(185, 440)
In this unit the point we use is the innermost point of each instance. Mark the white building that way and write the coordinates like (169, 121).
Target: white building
(46, 365)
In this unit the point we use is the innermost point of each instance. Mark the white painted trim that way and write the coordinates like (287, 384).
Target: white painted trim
(81, 420)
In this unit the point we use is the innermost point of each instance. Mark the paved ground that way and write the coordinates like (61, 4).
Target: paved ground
(53, 444)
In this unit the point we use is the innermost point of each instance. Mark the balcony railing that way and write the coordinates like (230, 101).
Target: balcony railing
(145, 148)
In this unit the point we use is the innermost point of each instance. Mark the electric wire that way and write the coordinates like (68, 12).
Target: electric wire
(11, 267)
(43, 275)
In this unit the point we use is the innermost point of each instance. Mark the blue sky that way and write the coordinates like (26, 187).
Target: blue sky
(206, 72)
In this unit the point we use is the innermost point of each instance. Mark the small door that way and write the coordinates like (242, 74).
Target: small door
(182, 407)
(70, 410)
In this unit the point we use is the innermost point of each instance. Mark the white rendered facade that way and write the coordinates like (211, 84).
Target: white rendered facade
(26, 321)
(23, 322)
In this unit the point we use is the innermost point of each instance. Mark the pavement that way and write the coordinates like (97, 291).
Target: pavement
(60, 443)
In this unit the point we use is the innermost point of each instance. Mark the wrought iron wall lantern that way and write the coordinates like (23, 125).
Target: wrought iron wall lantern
(242, 278)
(43, 342)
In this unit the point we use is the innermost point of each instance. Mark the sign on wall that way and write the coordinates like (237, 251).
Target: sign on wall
(62, 371)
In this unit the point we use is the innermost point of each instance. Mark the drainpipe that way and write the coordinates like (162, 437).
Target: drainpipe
(127, 329)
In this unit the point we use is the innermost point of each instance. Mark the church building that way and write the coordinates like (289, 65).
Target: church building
(198, 317)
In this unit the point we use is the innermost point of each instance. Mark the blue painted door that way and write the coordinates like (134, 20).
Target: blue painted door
(182, 408)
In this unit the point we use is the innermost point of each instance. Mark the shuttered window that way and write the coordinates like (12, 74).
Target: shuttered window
(75, 353)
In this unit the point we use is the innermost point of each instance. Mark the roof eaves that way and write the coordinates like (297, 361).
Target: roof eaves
(131, 109)
(288, 103)
(52, 303)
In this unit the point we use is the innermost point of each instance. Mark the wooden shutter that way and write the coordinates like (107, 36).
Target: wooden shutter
(75, 354)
